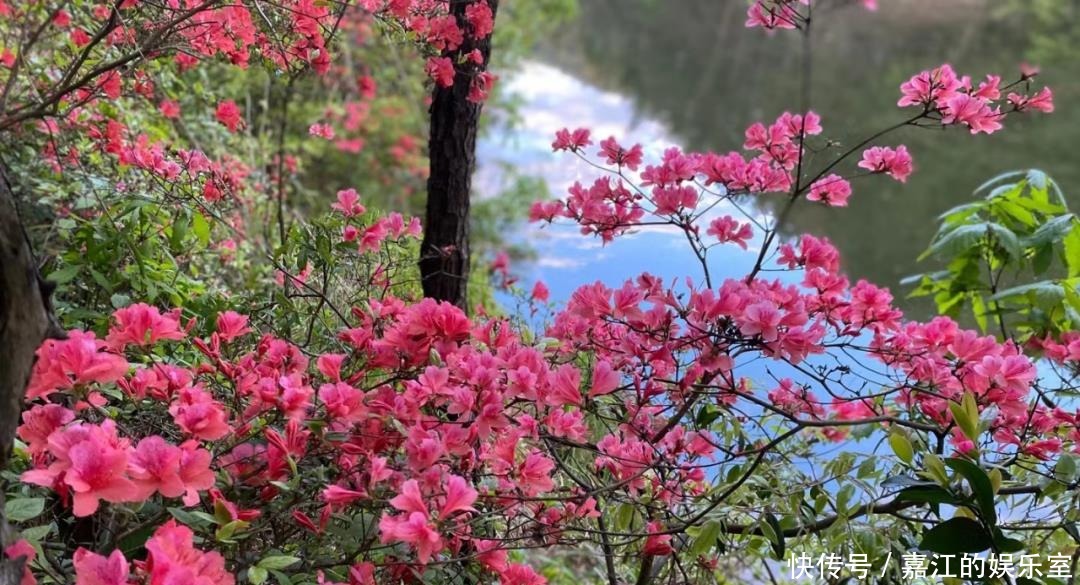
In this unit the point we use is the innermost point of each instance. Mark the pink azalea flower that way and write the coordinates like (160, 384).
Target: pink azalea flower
(91, 461)
(1043, 449)
(459, 497)
(413, 529)
(990, 89)
(228, 114)
(832, 190)
(322, 131)
(565, 386)
(726, 229)
(534, 474)
(974, 112)
(348, 203)
(197, 413)
(95, 569)
(195, 472)
(169, 109)
(883, 159)
(40, 422)
(572, 141)
(409, 498)
(75, 361)
(21, 549)
(155, 467)
(173, 558)
(772, 14)
(617, 155)
(340, 496)
(605, 379)
(761, 319)
(540, 292)
(1042, 101)
(143, 325)
(481, 19)
(343, 402)
(520, 574)
(231, 325)
(931, 87)
(441, 69)
(656, 544)
(481, 86)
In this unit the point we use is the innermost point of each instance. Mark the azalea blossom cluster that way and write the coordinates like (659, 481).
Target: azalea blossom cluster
(171, 558)
(679, 189)
(786, 14)
(105, 33)
(453, 33)
(929, 365)
(451, 430)
(956, 100)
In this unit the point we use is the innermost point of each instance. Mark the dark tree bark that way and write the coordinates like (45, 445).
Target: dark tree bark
(26, 319)
(444, 255)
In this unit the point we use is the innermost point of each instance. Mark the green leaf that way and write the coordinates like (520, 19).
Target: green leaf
(278, 562)
(1043, 258)
(119, 300)
(968, 423)
(999, 179)
(843, 497)
(772, 530)
(101, 280)
(955, 536)
(36, 533)
(179, 232)
(1044, 293)
(65, 274)
(227, 531)
(706, 415)
(780, 546)
(201, 227)
(930, 494)
(257, 575)
(133, 541)
(980, 484)
(995, 479)
(1072, 250)
(905, 481)
(1037, 179)
(23, 509)
(706, 538)
(935, 468)
(186, 517)
(1005, 544)
(1051, 231)
(901, 445)
(624, 516)
(1008, 240)
(956, 241)
(1018, 213)
(978, 311)
(1065, 470)
(961, 212)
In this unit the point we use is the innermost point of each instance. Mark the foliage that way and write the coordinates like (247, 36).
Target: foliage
(1019, 230)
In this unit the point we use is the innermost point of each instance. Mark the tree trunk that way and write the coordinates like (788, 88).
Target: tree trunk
(25, 321)
(444, 255)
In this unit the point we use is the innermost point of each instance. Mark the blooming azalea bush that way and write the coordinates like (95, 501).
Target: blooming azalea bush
(287, 408)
